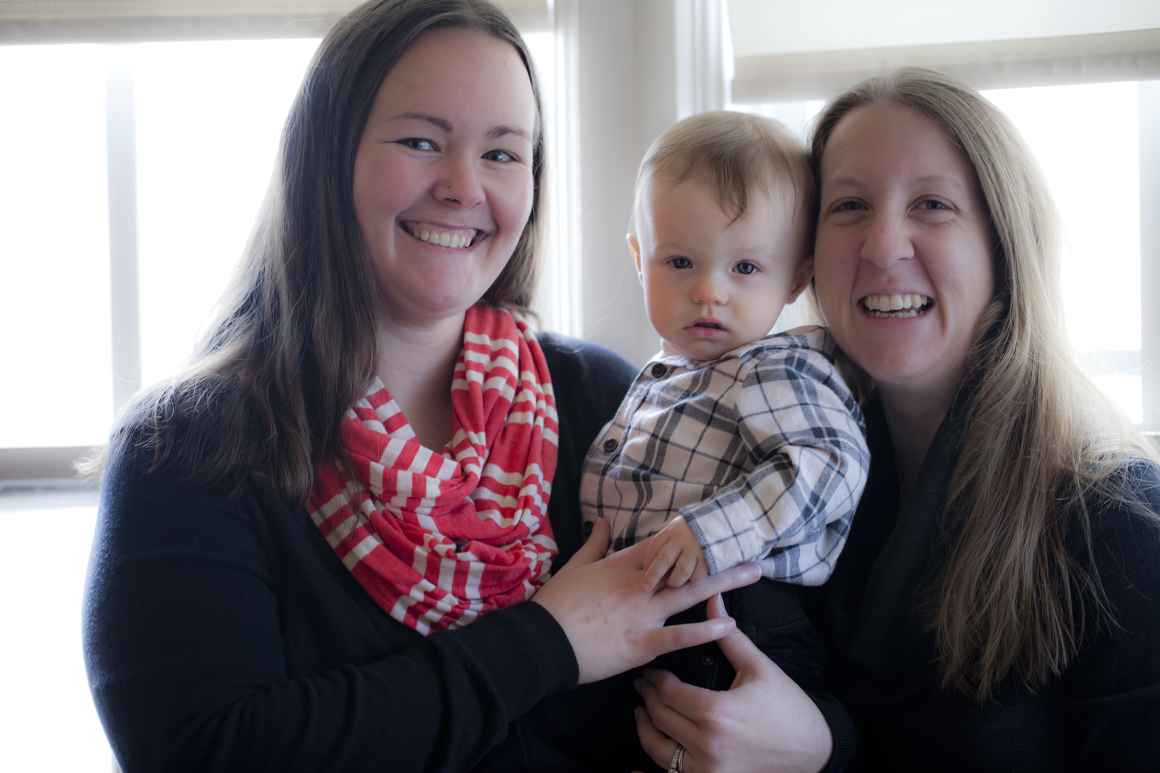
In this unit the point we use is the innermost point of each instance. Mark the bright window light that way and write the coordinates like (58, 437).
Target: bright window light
(45, 706)
(209, 119)
(54, 256)
(1087, 141)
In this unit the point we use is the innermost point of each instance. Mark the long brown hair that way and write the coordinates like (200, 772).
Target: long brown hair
(294, 344)
(1040, 439)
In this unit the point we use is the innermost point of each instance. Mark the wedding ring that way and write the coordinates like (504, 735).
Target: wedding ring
(678, 759)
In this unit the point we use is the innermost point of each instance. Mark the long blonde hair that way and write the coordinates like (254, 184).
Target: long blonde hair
(295, 343)
(1040, 439)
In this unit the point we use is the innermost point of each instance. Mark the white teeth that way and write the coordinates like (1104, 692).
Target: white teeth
(908, 303)
(443, 238)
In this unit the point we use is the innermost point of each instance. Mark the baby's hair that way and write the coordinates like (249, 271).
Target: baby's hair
(741, 153)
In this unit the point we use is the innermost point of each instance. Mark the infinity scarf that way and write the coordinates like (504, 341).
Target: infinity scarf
(439, 538)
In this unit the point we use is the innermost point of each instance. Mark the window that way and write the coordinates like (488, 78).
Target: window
(49, 717)
(131, 187)
(54, 277)
(1088, 140)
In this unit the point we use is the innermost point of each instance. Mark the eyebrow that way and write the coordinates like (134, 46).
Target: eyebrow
(929, 179)
(493, 133)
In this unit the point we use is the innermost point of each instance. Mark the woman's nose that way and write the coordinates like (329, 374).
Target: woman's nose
(459, 183)
(886, 240)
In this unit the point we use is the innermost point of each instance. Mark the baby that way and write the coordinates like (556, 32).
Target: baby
(732, 445)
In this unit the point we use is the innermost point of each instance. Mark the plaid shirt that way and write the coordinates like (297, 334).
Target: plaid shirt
(762, 451)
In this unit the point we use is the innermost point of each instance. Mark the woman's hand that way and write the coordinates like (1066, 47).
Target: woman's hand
(764, 722)
(613, 622)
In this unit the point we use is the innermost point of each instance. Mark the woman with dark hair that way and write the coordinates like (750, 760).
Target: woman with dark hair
(328, 545)
(997, 606)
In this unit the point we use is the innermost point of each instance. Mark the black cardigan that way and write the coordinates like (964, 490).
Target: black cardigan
(1102, 713)
(224, 634)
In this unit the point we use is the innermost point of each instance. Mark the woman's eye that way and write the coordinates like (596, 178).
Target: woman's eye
(848, 205)
(417, 143)
(933, 205)
(680, 262)
(746, 267)
(502, 156)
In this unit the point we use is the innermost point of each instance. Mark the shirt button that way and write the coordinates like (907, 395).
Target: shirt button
(659, 371)
(610, 445)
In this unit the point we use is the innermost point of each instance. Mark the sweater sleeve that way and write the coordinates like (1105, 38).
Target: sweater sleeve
(1111, 691)
(188, 661)
(793, 508)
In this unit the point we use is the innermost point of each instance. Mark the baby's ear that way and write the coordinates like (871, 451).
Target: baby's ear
(634, 250)
(801, 277)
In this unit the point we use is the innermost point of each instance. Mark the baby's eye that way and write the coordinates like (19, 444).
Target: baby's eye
(417, 143)
(746, 267)
(680, 262)
(501, 156)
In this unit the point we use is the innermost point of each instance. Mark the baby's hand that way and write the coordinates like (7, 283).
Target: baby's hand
(675, 552)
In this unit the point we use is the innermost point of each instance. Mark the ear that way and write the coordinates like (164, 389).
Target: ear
(634, 250)
(801, 277)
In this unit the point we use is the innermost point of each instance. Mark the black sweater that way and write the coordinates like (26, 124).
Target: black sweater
(223, 633)
(1102, 713)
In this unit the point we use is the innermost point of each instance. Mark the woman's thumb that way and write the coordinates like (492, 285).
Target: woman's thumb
(741, 652)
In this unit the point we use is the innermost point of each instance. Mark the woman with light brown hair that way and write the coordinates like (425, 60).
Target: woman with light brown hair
(997, 606)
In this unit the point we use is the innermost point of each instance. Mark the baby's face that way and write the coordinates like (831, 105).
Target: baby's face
(712, 285)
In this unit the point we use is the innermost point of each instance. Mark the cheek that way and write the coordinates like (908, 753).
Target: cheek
(512, 201)
(658, 298)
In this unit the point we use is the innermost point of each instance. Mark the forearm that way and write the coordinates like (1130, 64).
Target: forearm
(202, 702)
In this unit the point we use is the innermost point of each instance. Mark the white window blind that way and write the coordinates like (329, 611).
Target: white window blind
(789, 51)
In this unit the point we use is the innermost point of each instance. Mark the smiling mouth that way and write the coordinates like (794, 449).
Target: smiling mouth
(455, 238)
(898, 306)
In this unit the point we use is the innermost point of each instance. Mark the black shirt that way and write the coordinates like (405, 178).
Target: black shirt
(1101, 713)
(223, 633)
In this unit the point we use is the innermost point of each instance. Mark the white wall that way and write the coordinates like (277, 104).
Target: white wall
(632, 81)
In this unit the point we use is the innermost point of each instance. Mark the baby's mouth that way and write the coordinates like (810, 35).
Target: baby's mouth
(899, 306)
(456, 238)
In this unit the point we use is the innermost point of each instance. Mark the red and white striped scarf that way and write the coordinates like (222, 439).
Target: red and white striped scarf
(438, 539)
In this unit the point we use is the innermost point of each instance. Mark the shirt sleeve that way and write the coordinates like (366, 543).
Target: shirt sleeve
(189, 668)
(805, 439)
(1112, 689)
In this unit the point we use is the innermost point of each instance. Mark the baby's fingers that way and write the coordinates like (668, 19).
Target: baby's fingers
(684, 568)
(661, 564)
